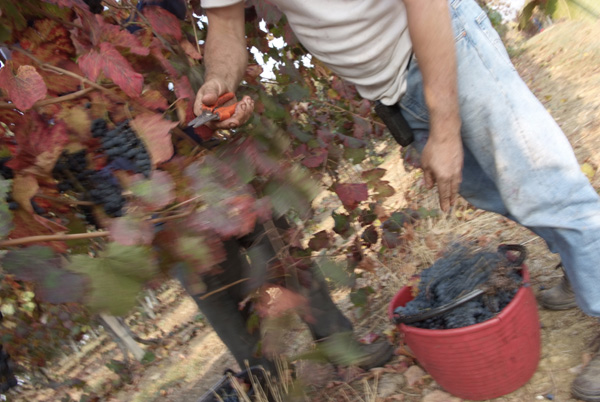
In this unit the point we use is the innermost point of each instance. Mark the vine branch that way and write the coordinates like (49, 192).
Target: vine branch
(50, 101)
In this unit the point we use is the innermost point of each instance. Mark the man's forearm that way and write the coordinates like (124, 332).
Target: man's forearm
(433, 43)
(225, 53)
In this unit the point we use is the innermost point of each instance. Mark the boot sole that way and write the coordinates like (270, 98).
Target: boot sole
(558, 307)
(579, 394)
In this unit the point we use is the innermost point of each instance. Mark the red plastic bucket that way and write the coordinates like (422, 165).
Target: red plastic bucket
(481, 361)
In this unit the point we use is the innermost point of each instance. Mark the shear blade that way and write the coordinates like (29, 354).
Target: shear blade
(203, 119)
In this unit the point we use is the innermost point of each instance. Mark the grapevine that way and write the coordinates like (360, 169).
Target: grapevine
(95, 98)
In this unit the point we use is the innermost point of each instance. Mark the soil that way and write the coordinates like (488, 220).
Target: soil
(562, 67)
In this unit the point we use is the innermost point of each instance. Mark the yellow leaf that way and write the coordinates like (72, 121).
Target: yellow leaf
(588, 170)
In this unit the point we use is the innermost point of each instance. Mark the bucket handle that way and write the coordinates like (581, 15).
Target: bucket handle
(515, 261)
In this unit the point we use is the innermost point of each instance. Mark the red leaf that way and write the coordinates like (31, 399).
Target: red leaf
(130, 232)
(154, 130)
(156, 192)
(39, 145)
(233, 217)
(153, 99)
(117, 68)
(275, 301)
(25, 88)
(351, 194)
(26, 225)
(190, 49)
(163, 22)
(24, 188)
(315, 157)
(91, 64)
(121, 37)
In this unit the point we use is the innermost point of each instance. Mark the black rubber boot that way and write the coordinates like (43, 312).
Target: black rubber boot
(587, 384)
(560, 297)
(342, 349)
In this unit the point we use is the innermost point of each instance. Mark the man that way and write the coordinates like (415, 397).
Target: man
(251, 262)
(479, 129)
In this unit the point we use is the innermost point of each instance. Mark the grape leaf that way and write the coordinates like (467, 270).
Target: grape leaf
(48, 40)
(43, 267)
(5, 214)
(320, 241)
(23, 88)
(129, 231)
(233, 217)
(200, 252)
(156, 192)
(40, 145)
(153, 99)
(24, 188)
(154, 130)
(190, 49)
(163, 22)
(91, 64)
(114, 66)
(351, 194)
(120, 37)
(26, 224)
(373, 175)
(117, 276)
(275, 301)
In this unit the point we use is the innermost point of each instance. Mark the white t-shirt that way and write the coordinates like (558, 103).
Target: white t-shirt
(365, 42)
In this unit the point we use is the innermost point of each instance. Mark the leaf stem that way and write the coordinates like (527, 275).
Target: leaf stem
(56, 237)
(65, 201)
(50, 101)
(341, 109)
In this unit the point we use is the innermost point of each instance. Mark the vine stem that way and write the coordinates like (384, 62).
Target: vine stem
(56, 237)
(59, 70)
(45, 102)
(65, 201)
(78, 236)
(341, 109)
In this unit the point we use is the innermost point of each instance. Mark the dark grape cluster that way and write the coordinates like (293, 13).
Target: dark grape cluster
(7, 377)
(122, 146)
(459, 272)
(95, 6)
(99, 186)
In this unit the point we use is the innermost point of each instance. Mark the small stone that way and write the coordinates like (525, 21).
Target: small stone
(539, 397)
(414, 375)
(550, 397)
(440, 396)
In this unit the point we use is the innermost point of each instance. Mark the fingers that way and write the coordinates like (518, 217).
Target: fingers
(448, 192)
(207, 95)
(242, 114)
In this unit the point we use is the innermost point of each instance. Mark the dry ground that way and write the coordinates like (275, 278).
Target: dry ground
(562, 67)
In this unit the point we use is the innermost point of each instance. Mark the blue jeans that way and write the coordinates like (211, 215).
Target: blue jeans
(518, 163)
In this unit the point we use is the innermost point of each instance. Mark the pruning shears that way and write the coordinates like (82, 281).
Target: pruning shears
(216, 112)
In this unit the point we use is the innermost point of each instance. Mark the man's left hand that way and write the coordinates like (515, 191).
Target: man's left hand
(442, 162)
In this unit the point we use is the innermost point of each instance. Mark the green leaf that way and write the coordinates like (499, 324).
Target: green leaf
(357, 155)
(334, 271)
(296, 92)
(6, 224)
(117, 276)
(342, 224)
(41, 266)
(157, 191)
(360, 297)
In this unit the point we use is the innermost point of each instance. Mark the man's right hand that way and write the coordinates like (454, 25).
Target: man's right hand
(208, 95)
